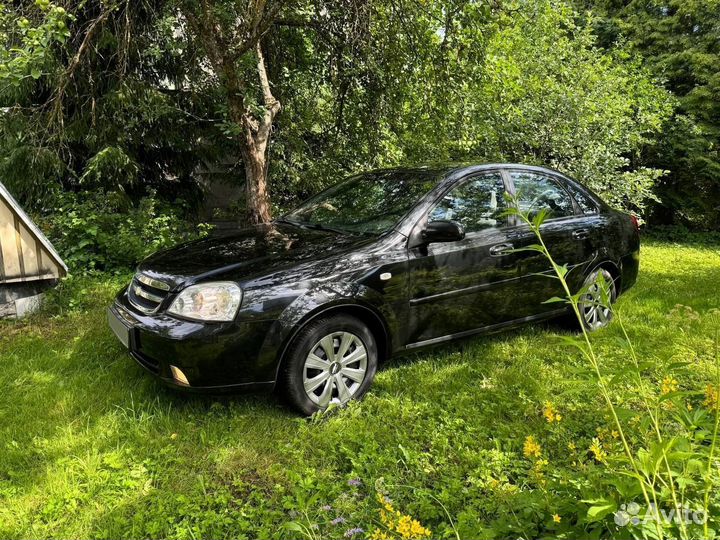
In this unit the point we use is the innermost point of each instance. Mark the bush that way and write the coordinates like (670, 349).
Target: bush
(103, 231)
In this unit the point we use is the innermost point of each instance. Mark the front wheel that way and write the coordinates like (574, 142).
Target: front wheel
(595, 304)
(331, 360)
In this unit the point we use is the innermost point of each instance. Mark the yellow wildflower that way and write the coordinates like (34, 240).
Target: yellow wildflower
(597, 451)
(551, 415)
(408, 527)
(385, 502)
(556, 518)
(711, 396)
(396, 522)
(531, 448)
(615, 434)
(572, 447)
(669, 384)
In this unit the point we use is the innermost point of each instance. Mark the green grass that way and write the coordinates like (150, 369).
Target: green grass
(91, 446)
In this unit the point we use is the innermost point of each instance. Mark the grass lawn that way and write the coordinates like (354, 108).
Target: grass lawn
(92, 446)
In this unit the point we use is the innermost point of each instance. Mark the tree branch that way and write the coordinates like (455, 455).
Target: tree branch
(75, 62)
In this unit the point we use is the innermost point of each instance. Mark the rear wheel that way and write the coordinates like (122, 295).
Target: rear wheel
(595, 305)
(331, 361)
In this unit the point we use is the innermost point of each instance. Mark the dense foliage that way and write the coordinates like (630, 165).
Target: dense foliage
(118, 97)
(104, 231)
(680, 42)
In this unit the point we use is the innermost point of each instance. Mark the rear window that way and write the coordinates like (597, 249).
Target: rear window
(584, 201)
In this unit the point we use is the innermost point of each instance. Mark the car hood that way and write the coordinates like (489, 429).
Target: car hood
(246, 253)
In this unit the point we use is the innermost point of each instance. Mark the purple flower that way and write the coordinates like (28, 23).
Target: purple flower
(352, 532)
(354, 482)
(327, 508)
(338, 520)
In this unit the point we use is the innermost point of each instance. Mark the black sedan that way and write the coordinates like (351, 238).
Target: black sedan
(385, 262)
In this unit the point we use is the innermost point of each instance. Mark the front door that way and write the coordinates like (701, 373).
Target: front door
(457, 287)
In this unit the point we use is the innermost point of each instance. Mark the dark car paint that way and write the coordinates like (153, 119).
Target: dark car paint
(437, 292)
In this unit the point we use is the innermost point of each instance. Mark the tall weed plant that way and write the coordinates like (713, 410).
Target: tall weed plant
(661, 483)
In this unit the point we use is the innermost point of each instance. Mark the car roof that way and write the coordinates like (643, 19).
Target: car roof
(454, 169)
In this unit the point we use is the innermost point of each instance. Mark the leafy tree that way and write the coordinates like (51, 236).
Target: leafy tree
(139, 96)
(107, 110)
(680, 42)
(226, 31)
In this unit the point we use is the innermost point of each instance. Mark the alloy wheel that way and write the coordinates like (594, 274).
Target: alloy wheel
(335, 368)
(594, 311)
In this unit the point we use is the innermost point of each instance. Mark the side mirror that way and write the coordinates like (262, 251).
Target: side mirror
(442, 230)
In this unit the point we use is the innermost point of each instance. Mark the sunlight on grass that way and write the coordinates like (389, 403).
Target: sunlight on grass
(92, 446)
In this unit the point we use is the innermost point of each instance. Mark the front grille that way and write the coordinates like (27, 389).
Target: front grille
(146, 293)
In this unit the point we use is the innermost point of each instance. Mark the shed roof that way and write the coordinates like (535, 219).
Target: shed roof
(25, 252)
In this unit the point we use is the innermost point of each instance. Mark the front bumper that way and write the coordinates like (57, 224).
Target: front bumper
(211, 356)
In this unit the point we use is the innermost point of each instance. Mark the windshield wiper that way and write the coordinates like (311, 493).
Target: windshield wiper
(321, 227)
(289, 222)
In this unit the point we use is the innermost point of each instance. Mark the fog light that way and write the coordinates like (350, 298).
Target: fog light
(178, 375)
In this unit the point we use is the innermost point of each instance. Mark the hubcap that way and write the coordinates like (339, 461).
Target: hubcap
(594, 311)
(335, 368)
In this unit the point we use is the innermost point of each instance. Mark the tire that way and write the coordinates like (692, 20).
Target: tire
(594, 313)
(310, 380)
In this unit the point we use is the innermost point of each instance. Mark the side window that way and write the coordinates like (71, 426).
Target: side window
(476, 204)
(586, 204)
(536, 192)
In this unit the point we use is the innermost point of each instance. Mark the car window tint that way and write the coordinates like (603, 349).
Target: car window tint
(371, 202)
(476, 204)
(586, 204)
(536, 192)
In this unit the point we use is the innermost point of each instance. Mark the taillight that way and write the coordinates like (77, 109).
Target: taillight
(635, 221)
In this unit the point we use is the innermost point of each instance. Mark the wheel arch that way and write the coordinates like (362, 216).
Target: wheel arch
(367, 314)
(614, 270)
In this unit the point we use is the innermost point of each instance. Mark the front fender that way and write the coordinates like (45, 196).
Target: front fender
(315, 303)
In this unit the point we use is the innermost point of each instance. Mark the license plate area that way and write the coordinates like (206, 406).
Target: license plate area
(119, 328)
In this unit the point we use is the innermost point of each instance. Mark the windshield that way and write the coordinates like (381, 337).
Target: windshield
(367, 203)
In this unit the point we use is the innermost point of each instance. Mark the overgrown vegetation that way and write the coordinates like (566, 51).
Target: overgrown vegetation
(105, 231)
(121, 97)
(678, 40)
(460, 440)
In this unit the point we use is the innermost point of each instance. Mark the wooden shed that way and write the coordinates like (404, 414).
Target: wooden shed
(29, 263)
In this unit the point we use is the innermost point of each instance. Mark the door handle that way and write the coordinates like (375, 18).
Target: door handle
(499, 250)
(580, 234)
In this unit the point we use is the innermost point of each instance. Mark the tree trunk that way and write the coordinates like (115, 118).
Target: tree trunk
(256, 131)
(257, 199)
(254, 148)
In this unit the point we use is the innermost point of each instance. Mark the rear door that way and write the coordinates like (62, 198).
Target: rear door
(566, 231)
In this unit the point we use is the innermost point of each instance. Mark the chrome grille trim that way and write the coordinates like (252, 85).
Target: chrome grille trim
(146, 295)
(154, 283)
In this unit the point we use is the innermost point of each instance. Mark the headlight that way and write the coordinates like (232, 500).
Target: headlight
(217, 301)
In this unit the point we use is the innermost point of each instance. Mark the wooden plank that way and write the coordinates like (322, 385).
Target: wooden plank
(39, 253)
(11, 262)
(2, 264)
(19, 246)
(30, 255)
(39, 277)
